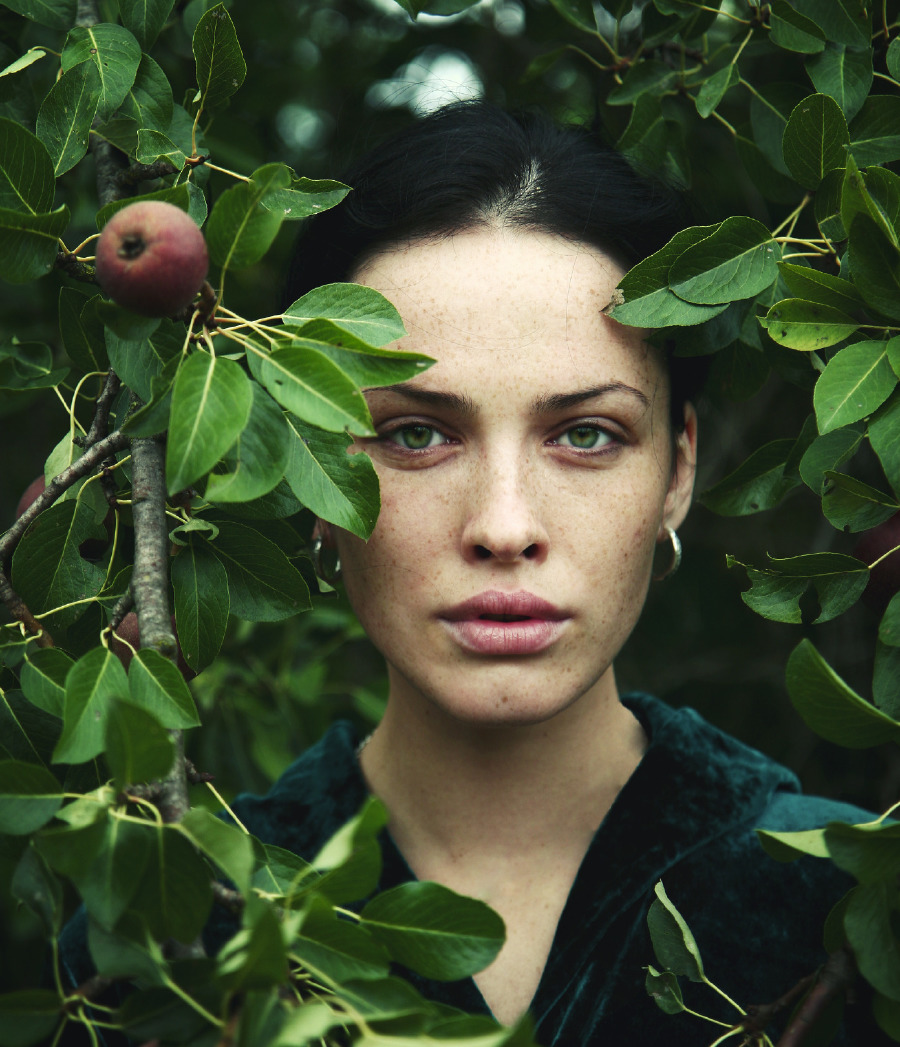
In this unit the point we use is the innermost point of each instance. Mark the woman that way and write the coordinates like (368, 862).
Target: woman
(527, 479)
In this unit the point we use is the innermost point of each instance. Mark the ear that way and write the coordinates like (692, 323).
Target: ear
(684, 467)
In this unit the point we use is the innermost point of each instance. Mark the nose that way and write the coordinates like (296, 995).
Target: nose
(503, 521)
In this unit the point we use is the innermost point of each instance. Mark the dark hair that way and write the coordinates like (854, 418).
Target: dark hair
(470, 164)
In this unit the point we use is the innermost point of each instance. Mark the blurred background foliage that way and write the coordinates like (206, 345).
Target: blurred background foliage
(326, 79)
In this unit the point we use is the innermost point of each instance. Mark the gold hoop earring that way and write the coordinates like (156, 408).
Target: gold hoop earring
(329, 573)
(676, 556)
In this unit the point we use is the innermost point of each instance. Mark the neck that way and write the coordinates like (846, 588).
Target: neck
(456, 789)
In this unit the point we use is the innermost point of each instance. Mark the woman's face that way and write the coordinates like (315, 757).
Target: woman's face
(525, 478)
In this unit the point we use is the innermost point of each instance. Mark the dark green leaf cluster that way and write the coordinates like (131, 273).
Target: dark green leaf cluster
(256, 417)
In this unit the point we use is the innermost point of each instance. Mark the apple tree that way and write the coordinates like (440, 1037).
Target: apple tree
(197, 444)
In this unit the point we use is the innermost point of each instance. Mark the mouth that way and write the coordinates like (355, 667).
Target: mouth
(505, 624)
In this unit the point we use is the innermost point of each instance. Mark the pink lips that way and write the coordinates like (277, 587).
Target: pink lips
(481, 623)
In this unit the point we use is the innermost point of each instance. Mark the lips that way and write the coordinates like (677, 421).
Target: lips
(502, 623)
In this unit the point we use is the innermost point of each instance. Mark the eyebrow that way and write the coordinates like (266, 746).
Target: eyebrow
(548, 404)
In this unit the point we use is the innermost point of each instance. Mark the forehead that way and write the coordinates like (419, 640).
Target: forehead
(490, 302)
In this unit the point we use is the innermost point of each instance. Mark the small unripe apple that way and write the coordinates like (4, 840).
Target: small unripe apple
(92, 549)
(128, 630)
(151, 258)
(884, 580)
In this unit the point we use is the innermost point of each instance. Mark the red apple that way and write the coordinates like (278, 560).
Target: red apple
(151, 258)
(128, 630)
(884, 580)
(34, 490)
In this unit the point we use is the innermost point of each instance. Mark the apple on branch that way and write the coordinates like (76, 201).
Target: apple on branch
(151, 258)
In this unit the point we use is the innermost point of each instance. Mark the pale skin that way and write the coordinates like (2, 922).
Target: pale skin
(535, 456)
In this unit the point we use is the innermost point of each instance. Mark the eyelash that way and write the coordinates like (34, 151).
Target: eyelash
(612, 443)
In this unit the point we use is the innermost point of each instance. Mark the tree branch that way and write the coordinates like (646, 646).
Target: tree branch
(835, 977)
(100, 425)
(130, 176)
(72, 266)
(85, 464)
(19, 610)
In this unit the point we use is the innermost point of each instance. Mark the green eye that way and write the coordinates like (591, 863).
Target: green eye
(414, 437)
(584, 436)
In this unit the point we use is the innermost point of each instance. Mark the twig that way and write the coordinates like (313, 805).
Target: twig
(130, 176)
(835, 977)
(19, 610)
(229, 899)
(72, 266)
(761, 1015)
(125, 604)
(85, 464)
(100, 425)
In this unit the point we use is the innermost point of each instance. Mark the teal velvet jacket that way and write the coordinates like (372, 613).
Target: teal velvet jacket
(686, 816)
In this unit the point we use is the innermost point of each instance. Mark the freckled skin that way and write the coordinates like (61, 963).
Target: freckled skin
(501, 499)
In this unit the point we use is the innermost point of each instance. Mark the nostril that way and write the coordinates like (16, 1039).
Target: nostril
(531, 552)
(482, 553)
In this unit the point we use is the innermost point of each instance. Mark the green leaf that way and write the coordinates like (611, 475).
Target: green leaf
(844, 75)
(842, 21)
(29, 243)
(124, 323)
(29, 797)
(579, 13)
(889, 627)
(66, 114)
(647, 299)
(264, 585)
(258, 459)
(138, 748)
(807, 326)
(775, 594)
(363, 363)
(350, 860)
(851, 505)
(304, 197)
(211, 402)
(282, 873)
(360, 311)
(310, 386)
(220, 64)
(256, 957)
(827, 453)
(149, 100)
(831, 708)
(870, 852)
(145, 18)
(673, 944)
(886, 679)
(174, 892)
(116, 55)
(663, 988)
(714, 89)
(758, 483)
(815, 139)
(893, 58)
(884, 436)
(91, 685)
(129, 951)
(28, 1016)
(34, 885)
(240, 230)
(646, 76)
(28, 365)
(226, 846)
(55, 14)
(201, 603)
(737, 260)
(770, 109)
(43, 679)
(158, 687)
(856, 381)
(789, 846)
(26, 732)
(875, 264)
(154, 145)
(434, 931)
(793, 31)
(338, 487)
(179, 195)
(827, 206)
(81, 330)
(48, 570)
(856, 199)
(886, 1011)
(875, 131)
(138, 361)
(32, 55)
(27, 180)
(816, 286)
(337, 949)
(870, 922)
